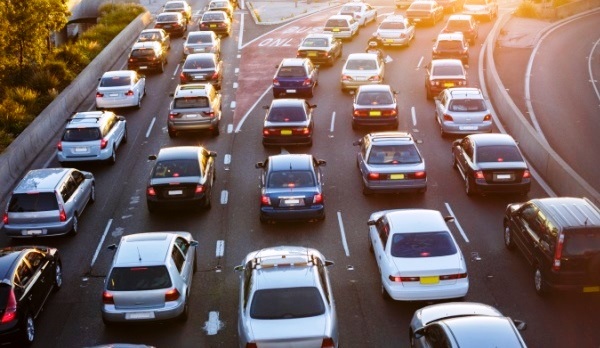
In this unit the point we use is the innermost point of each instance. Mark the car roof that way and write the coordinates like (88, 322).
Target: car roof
(201, 33)
(287, 102)
(163, 14)
(179, 152)
(87, 119)
(374, 88)
(570, 211)
(451, 36)
(446, 61)
(290, 162)
(201, 55)
(153, 30)
(293, 61)
(387, 137)
(319, 36)
(115, 73)
(478, 331)
(362, 56)
(446, 310)
(394, 18)
(491, 139)
(285, 277)
(192, 90)
(143, 249)
(465, 93)
(416, 220)
(44, 179)
(215, 11)
(462, 17)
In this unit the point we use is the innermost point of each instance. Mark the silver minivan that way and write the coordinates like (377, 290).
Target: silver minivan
(48, 202)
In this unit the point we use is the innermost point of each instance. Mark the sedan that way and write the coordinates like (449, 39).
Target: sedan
(202, 68)
(182, 176)
(295, 76)
(221, 5)
(491, 163)
(362, 69)
(362, 12)
(202, 42)
(417, 256)
(395, 30)
(288, 122)
(120, 88)
(320, 48)
(217, 21)
(29, 275)
(172, 22)
(421, 11)
(179, 6)
(291, 188)
(444, 73)
(462, 111)
(158, 35)
(375, 105)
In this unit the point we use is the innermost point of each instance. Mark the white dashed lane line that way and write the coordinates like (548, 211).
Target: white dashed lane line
(343, 234)
(460, 229)
(150, 127)
(101, 242)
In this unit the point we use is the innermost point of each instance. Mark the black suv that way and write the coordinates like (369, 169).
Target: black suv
(149, 55)
(560, 238)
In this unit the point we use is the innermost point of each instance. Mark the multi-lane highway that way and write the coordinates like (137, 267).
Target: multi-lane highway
(497, 276)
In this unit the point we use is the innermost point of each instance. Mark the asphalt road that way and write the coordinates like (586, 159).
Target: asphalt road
(497, 277)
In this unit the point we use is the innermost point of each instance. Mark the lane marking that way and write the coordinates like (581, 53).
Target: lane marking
(414, 115)
(239, 126)
(230, 128)
(101, 242)
(343, 233)
(590, 58)
(235, 85)
(47, 163)
(227, 159)
(232, 105)
(220, 249)
(419, 63)
(241, 37)
(176, 70)
(213, 325)
(460, 229)
(237, 71)
(150, 127)
(331, 127)
(224, 196)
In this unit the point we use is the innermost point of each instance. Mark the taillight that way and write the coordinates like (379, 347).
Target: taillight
(375, 78)
(173, 115)
(275, 82)
(318, 198)
(103, 143)
(129, 93)
(59, 146)
(182, 77)
(199, 188)
(373, 176)
(399, 279)
(266, 132)
(62, 216)
(172, 295)
(10, 311)
(251, 345)
(420, 175)
(487, 117)
(210, 114)
(107, 298)
(99, 95)
(5, 218)
(150, 191)
(328, 343)
(479, 175)
(346, 78)
(303, 131)
(558, 253)
(265, 200)
(453, 276)
(215, 76)
(307, 82)
(526, 174)
(462, 83)
(448, 118)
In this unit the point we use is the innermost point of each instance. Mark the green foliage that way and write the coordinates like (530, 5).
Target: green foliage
(526, 9)
(557, 3)
(5, 140)
(75, 56)
(13, 117)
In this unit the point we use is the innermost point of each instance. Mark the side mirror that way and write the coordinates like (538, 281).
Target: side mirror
(194, 243)
(371, 223)
(329, 263)
(448, 218)
(259, 165)
(142, 76)
(520, 324)
(321, 162)
(238, 268)
(171, 94)
(99, 79)
(152, 158)
(357, 142)
(88, 175)
(419, 333)
(121, 118)
(112, 247)
(212, 154)
(313, 106)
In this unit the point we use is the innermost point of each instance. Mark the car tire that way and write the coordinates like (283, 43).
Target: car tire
(428, 92)
(139, 104)
(422, 190)
(75, 228)
(172, 133)
(92, 194)
(539, 282)
(311, 91)
(184, 316)
(216, 131)
(442, 133)
(469, 189)
(113, 157)
(264, 220)
(107, 323)
(366, 191)
(28, 335)
(508, 238)
(58, 276)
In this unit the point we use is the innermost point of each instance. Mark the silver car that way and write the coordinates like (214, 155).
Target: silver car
(150, 278)
(464, 324)
(202, 42)
(48, 202)
(395, 30)
(286, 299)
(462, 111)
(195, 107)
(121, 88)
(362, 69)
(390, 162)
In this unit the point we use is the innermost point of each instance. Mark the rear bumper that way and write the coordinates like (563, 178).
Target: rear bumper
(102, 156)
(484, 187)
(422, 293)
(393, 186)
(375, 121)
(29, 231)
(303, 214)
(170, 310)
(290, 140)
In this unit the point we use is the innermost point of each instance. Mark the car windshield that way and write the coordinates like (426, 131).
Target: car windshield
(458, 25)
(350, 9)
(81, 134)
(447, 70)
(199, 38)
(467, 105)
(314, 42)
(336, 23)
(582, 241)
(167, 18)
(138, 278)
(115, 81)
(422, 244)
(32, 202)
(498, 153)
(287, 303)
(449, 45)
(199, 63)
(291, 71)
(150, 36)
(394, 154)
(176, 168)
(290, 179)
(374, 98)
(286, 114)
(361, 64)
(190, 103)
(392, 25)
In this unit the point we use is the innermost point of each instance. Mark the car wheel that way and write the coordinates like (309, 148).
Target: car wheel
(28, 330)
(172, 133)
(469, 189)
(354, 126)
(93, 193)
(216, 131)
(442, 133)
(183, 317)
(151, 206)
(113, 157)
(508, 240)
(139, 104)
(423, 190)
(58, 276)
(539, 282)
(161, 69)
(366, 191)
(264, 220)
(311, 92)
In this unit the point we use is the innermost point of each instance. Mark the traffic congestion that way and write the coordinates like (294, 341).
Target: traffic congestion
(334, 180)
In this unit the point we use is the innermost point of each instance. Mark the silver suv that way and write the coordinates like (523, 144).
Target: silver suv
(150, 278)
(286, 299)
(48, 202)
(92, 136)
(195, 107)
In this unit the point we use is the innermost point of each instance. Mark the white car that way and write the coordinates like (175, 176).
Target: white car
(417, 256)
(395, 30)
(120, 88)
(361, 12)
(341, 27)
(362, 69)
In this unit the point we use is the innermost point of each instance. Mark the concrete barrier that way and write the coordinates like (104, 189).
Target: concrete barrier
(575, 7)
(559, 175)
(20, 154)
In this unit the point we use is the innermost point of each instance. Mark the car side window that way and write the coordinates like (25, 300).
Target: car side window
(383, 229)
(436, 337)
(35, 260)
(248, 280)
(178, 258)
(323, 278)
(183, 245)
(529, 219)
(67, 189)
(24, 274)
(203, 161)
(78, 177)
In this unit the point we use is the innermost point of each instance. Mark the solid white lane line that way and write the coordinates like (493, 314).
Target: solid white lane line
(101, 242)
(332, 122)
(590, 58)
(414, 115)
(460, 229)
(220, 249)
(241, 37)
(239, 126)
(419, 64)
(47, 163)
(176, 70)
(343, 233)
(150, 127)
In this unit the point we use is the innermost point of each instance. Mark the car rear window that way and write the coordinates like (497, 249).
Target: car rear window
(337, 23)
(81, 134)
(287, 303)
(394, 154)
(199, 63)
(415, 6)
(286, 114)
(422, 244)
(291, 179)
(150, 36)
(117, 81)
(584, 241)
(449, 45)
(213, 17)
(167, 18)
(374, 98)
(361, 64)
(138, 278)
(199, 38)
(291, 71)
(174, 6)
(467, 105)
(392, 25)
(349, 9)
(314, 42)
(176, 168)
(458, 25)
(447, 70)
(32, 202)
(190, 103)
(498, 153)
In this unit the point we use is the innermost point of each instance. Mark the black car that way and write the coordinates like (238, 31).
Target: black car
(288, 122)
(291, 188)
(217, 21)
(173, 23)
(149, 55)
(29, 275)
(182, 176)
(375, 105)
(202, 68)
(451, 45)
(442, 74)
(320, 48)
(491, 163)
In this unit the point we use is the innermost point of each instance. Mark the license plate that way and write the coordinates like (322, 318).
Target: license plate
(290, 91)
(139, 315)
(286, 132)
(167, 26)
(503, 177)
(312, 54)
(448, 84)
(374, 113)
(591, 289)
(33, 232)
(397, 176)
(336, 29)
(198, 77)
(113, 94)
(291, 201)
(191, 116)
(470, 128)
(361, 78)
(213, 25)
(81, 149)
(389, 40)
(143, 67)
(175, 192)
(430, 280)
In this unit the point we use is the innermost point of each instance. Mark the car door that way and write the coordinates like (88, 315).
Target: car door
(527, 231)
(246, 286)
(188, 253)
(43, 276)
(440, 107)
(370, 13)
(379, 238)
(140, 82)
(183, 278)
(28, 292)
(81, 191)
(464, 156)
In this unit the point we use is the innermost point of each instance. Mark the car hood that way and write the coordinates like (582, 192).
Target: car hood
(433, 313)
(428, 266)
(289, 330)
(502, 165)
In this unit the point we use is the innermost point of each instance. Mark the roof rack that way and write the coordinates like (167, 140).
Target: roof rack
(283, 260)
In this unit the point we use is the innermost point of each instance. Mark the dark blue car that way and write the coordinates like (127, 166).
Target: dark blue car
(295, 77)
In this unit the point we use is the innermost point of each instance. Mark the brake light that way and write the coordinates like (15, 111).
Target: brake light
(59, 146)
(173, 115)
(251, 345)
(172, 295)
(307, 82)
(129, 93)
(103, 143)
(479, 175)
(210, 114)
(265, 200)
(182, 77)
(99, 95)
(374, 78)
(462, 83)
(399, 279)
(453, 276)
(10, 311)
(62, 216)
(304, 130)
(373, 176)
(487, 117)
(199, 188)
(215, 76)
(448, 118)
(275, 82)
(360, 113)
(328, 343)
(420, 175)
(107, 298)
(558, 253)
(346, 78)
(318, 198)
(5, 218)
(150, 191)
(526, 174)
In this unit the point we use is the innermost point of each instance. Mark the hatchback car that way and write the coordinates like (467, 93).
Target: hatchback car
(341, 26)
(395, 30)
(148, 55)
(195, 107)
(173, 23)
(179, 6)
(417, 256)
(375, 105)
(202, 68)
(221, 5)
(295, 76)
(442, 74)
(157, 35)
(291, 188)
(451, 45)
(48, 202)
(92, 136)
(288, 122)
(462, 110)
(202, 42)
(491, 163)
(286, 299)
(486, 9)
(150, 278)
(390, 162)
(362, 12)
(362, 69)
(320, 48)
(421, 11)
(217, 21)
(182, 176)
(119, 89)
(29, 275)
(465, 24)
(464, 324)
